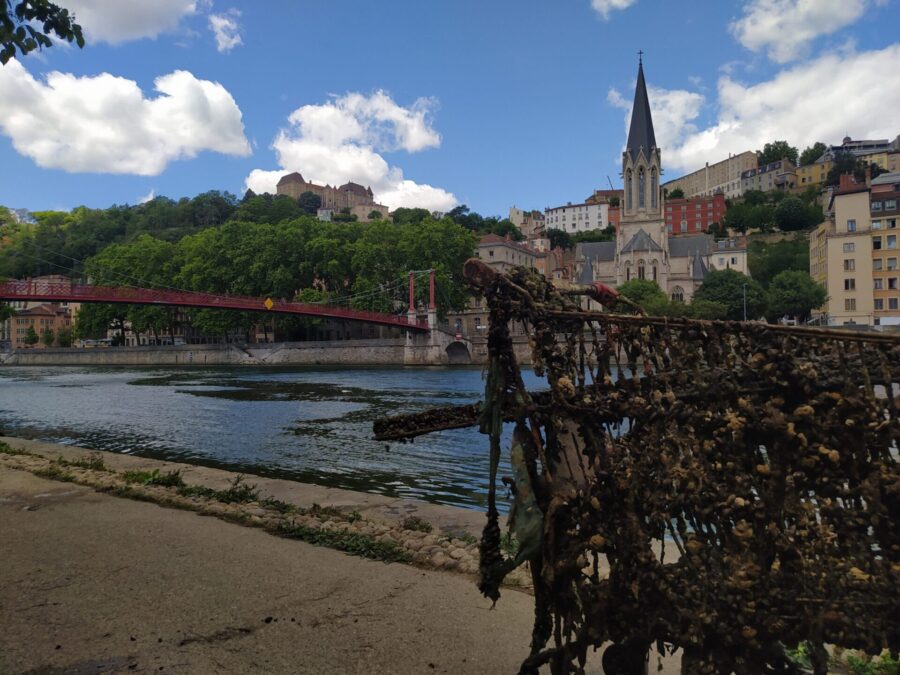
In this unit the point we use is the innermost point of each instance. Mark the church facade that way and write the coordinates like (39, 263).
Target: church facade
(644, 248)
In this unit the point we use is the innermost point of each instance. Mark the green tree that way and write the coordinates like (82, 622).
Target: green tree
(794, 293)
(642, 292)
(47, 337)
(755, 197)
(404, 215)
(559, 238)
(608, 233)
(614, 201)
(727, 287)
(64, 337)
(812, 153)
(676, 193)
(706, 309)
(766, 261)
(27, 25)
(309, 202)
(31, 337)
(793, 214)
(375, 215)
(774, 151)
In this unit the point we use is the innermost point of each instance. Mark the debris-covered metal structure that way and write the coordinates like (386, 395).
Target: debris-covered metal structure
(722, 488)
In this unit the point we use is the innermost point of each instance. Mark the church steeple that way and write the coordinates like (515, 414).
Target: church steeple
(641, 135)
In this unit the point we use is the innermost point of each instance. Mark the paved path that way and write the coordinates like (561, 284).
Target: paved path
(93, 583)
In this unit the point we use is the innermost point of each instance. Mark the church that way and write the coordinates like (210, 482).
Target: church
(643, 247)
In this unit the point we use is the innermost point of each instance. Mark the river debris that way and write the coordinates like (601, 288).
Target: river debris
(739, 481)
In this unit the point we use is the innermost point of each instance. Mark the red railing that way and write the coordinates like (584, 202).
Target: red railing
(67, 291)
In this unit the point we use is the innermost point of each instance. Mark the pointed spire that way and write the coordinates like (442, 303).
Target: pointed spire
(641, 135)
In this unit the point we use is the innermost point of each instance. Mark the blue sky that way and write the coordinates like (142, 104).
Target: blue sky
(432, 103)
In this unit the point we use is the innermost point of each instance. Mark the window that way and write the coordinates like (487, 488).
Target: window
(876, 264)
(642, 188)
(733, 260)
(849, 265)
(491, 253)
(851, 225)
(721, 261)
(879, 284)
(876, 224)
(892, 263)
(850, 305)
(893, 303)
(892, 223)
(678, 294)
(876, 206)
(850, 247)
(892, 283)
(890, 204)
(849, 284)
(892, 241)
(876, 243)
(879, 304)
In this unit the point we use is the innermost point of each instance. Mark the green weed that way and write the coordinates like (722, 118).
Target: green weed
(417, 524)
(863, 664)
(6, 449)
(55, 472)
(238, 492)
(168, 479)
(350, 542)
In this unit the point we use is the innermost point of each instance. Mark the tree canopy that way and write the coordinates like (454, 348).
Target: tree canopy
(792, 214)
(677, 193)
(774, 151)
(726, 287)
(28, 24)
(793, 293)
(767, 260)
(812, 153)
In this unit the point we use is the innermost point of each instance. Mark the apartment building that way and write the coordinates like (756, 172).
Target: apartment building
(855, 254)
(723, 176)
(780, 175)
(812, 175)
(574, 218)
(693, 215)
(530, 223)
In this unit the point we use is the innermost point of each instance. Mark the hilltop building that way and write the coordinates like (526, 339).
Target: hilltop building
(530, 223)
(854, 254)
(693, 215)
(723, 176)
(644, 248)
(354, 197)
(574, 218)
(780, 175)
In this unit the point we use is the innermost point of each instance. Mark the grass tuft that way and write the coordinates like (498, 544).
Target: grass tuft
(353, 543)
(168, 479)
(55, 472)
(417, 524)
(6, 449)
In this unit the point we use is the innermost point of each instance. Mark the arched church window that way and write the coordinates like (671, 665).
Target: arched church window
(654, 187)
(642, 187)
(628, 190)
(678, 294)
(640, 270)
(654, 273)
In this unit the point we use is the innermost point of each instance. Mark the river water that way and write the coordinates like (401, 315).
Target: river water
(311, 424)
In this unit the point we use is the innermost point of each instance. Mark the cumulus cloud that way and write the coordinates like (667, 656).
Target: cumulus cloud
(604, 7)
(785, 28)
(105, 124)
(672, 109)
(116, 21)
(341, 141)
(789, 106)
(226, 29)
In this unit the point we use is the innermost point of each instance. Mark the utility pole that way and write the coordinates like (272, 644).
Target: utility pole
(745, 302)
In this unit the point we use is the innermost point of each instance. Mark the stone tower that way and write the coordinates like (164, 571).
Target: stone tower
(642, 244)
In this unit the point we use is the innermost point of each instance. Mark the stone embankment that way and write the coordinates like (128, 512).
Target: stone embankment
(388, 529)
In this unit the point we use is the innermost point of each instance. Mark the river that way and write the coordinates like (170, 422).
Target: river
(310, 424)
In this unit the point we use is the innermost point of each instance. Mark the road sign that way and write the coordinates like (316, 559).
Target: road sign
(268, 303)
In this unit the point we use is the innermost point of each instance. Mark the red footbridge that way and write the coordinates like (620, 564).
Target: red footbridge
(37, 290)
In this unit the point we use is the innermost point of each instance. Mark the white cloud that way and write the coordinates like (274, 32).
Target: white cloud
(116, 21)
(149, 197)
(105, 124)
(226, 29)
(821, 100)
(604, 7)
(340, 141)
(785, 28)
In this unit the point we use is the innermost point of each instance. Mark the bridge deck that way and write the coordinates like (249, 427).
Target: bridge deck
(44, 291)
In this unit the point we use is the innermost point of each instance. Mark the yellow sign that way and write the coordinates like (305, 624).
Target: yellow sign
(268, 303)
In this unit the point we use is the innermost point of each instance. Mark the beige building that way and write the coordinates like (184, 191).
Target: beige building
(780, 175)
(347, 196)
(574, 218)
(530, 223)
(643, 248)
(812, 175)
(724, 176)
(855, 254)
